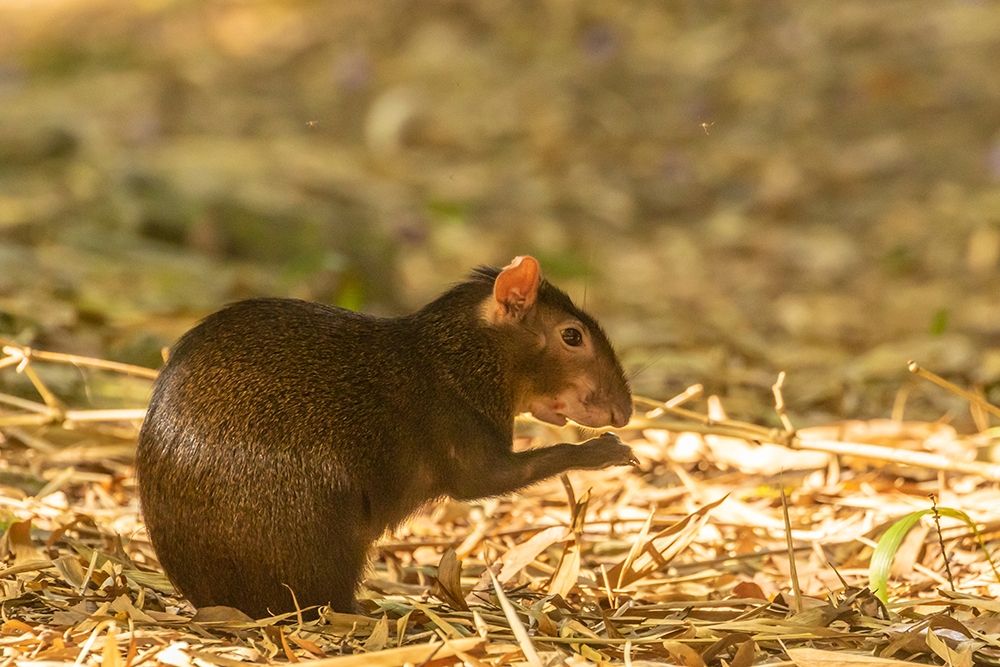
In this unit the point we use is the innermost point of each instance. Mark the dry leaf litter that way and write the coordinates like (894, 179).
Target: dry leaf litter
(732, 543)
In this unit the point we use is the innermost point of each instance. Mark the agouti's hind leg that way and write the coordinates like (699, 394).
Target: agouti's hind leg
(334, 579)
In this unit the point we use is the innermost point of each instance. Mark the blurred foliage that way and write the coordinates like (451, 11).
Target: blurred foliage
(737, 188)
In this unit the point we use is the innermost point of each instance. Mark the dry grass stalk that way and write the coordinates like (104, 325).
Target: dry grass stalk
(972, 397)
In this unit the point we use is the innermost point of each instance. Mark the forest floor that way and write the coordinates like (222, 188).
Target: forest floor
(731, 542)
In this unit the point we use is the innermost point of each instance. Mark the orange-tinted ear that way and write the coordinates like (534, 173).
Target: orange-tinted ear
(516, 288)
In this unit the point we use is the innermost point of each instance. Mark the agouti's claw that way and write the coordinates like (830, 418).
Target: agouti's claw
(632, 461)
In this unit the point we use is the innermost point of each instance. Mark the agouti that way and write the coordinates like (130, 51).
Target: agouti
(284, 437)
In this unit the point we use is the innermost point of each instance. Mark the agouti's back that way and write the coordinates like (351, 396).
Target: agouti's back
(283, 436)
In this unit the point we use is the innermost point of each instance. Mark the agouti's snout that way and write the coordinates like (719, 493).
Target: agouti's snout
(283, 437)
(621, 414)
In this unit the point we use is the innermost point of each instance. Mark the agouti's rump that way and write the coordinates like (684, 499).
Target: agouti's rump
(283, 437)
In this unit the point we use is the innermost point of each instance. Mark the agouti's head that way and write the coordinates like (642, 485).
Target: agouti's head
(569, 369)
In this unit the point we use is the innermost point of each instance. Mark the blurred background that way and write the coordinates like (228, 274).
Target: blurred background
(733, 188)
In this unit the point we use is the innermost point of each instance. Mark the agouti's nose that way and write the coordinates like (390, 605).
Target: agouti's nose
(620, 416)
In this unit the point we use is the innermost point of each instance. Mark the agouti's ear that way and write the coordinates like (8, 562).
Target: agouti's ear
(516, 288)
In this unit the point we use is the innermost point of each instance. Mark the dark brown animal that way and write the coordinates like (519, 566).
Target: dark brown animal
(284, 437)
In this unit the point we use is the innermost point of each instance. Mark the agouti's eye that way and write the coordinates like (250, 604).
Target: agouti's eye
(572, 337)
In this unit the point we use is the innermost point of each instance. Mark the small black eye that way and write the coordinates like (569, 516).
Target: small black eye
(572, 337)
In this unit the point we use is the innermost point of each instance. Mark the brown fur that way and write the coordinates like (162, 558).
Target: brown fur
(284, 437)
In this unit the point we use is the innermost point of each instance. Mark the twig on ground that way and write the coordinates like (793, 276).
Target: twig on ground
(793, 572)
(779, 406)
(971, 397)
(17, 352)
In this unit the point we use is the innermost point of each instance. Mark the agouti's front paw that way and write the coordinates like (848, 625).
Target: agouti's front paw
(608, 450)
